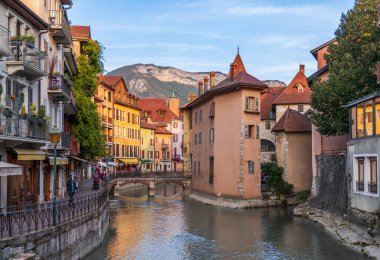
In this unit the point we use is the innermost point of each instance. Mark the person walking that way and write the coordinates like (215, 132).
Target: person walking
(71, 187)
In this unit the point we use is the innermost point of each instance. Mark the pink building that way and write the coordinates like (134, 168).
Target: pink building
(221, 141)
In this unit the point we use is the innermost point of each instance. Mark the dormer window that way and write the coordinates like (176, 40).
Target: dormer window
(160, 112)
(300, 87)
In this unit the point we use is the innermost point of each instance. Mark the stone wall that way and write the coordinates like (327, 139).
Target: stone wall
(331, 184)
(72, 240)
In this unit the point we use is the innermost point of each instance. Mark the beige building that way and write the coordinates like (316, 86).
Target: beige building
(293, 148)
(221, 136)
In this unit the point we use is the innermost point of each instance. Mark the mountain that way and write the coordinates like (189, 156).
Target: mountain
(149, 80)
(275, 83)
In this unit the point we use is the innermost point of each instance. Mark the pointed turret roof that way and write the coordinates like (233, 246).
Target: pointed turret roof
(238, 66)
(291, 95)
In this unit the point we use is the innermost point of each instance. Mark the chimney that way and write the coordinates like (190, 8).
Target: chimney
(200, 88)
(232, 71)
(212, 79)
(302, 68)
(206, 84)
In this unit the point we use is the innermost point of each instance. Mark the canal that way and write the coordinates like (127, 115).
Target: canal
(169, 227)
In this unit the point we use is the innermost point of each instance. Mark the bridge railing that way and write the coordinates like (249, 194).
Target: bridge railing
(165, 175)
(16, 221)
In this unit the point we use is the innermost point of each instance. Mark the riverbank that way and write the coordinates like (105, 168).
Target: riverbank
(240, 203)
(351, 235)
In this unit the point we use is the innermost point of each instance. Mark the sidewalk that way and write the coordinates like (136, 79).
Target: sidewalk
(84, 189)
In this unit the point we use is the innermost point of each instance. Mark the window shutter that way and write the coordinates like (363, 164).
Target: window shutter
(246, 103)
(256, 103)
(246, 131)
(257, 132)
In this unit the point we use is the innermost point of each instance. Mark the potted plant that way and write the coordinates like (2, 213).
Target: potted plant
(23, 115)
(30, 41)
(23, 122)
(40, 54)
(41, 115)
(8, 113)
(16, 40)
(32, 113)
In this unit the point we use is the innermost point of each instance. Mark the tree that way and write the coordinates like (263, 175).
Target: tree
(352, 64)
(88, 129)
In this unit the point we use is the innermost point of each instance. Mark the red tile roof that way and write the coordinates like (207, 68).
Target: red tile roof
(162, 131)
(243, 78)
(148, 126)
(266, 102)
(291, 95)
(81, 32)
(110, 81)
(293, 121)
(153, 105)
(238, 66)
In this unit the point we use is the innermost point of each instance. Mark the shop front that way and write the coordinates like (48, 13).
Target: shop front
(129, 164)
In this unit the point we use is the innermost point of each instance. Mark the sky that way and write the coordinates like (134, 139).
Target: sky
(274, 36)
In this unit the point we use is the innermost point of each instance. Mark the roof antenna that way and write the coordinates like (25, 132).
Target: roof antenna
(238, 50)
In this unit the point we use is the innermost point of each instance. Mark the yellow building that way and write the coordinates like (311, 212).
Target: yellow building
(126, 128)
(104, 99)
(147, 147)
(162, 148)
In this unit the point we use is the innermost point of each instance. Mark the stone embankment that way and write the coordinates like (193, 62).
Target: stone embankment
(236, 203)
(363, 238)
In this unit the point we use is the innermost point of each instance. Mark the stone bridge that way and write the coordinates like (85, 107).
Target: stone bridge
(150, 179)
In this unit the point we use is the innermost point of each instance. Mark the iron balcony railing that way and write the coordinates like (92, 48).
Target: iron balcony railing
(62, 83)
(154, 174)
(16, 221)
(164, 146)
(360, 185)
(372, 187)
(58, 22)
(16, 126)
(4, 41)
(21, 51)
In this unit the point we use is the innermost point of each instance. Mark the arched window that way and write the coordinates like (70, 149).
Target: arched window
(267, 146)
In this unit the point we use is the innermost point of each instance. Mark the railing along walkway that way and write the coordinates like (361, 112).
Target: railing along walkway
(149, 175)
(15, 221)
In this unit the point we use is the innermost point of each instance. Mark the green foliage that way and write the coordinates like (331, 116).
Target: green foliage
(88, 130)
(21, 98)
(33, 110)
(41, 112)
(303, 196)
(275, 177)
(352, 64)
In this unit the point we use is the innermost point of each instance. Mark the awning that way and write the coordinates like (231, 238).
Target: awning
(78, 159)
(129, 160)
(146, 160)
(59, 161)
(29, 154)
(7, 169)
(113, 164)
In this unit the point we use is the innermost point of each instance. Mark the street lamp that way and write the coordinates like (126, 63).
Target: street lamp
(55, 137)
(107, 148)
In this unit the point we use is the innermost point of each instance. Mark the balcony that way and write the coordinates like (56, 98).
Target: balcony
(60, 88)
(110, 120)
(25, 61)
(4, 42)
(108, 139)
(164, 146)
(15, 127)
(104, 119)
(372, 187)
(360, 185)
(59, 26)
(253, 110)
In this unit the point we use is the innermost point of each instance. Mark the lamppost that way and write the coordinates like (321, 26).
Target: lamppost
(107, 148)
(55, 137)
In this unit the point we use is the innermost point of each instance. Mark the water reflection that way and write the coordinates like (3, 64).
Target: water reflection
(168, 227)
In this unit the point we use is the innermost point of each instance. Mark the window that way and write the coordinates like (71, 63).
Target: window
(257, 132)
(267, 146)
(199, 167)
(109, 96)
(142, 154)
(267, 125)
(191, 121)
(360, 120)
(249, 131)
(200, 115)
(300, 87)
(200, 138)
(175, 125)
(129, 117)
(195, 167)
(211, 180)
(160, 112)
(251, 167)
(211, 135)
(372, 184)
(196, 116)
(252, 104)
(212, 109)
(360, 174)
(195, 139)
(369, 118)
(300, 108)
(377, 115)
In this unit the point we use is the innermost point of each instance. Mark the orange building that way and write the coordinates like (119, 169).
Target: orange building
(221, 136)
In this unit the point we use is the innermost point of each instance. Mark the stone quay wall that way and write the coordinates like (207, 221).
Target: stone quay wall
(72, 240)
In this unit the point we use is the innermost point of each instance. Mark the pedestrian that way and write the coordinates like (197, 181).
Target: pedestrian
(71, 187)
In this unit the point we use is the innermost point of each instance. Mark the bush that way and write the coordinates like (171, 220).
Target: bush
(275, 179)
(303, 196)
